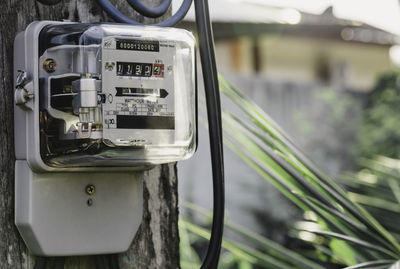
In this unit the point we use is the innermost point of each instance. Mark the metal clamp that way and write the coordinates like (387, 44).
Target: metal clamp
(23, 91)
(83, 134)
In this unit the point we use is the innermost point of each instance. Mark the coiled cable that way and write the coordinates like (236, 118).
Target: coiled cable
(149, 12)
(117, 15)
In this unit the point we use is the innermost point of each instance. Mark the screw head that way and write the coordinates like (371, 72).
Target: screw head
(89, 202)
(90, 189)
(49, 65)
(109, 66)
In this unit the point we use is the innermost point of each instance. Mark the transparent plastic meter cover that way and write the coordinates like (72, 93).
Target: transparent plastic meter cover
(116, 95)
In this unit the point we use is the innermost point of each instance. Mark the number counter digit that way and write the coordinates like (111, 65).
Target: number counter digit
(134, 69)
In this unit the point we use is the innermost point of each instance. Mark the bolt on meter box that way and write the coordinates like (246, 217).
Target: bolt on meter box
(105, 95)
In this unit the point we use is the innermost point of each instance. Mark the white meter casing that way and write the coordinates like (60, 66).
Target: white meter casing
(95, 102)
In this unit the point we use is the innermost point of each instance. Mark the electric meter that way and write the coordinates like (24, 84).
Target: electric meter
(111, 95)
(94, 101)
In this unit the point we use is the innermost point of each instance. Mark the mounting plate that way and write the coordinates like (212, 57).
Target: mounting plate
(57, 217)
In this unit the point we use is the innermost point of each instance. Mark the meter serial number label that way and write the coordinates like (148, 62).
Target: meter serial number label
(138, 45)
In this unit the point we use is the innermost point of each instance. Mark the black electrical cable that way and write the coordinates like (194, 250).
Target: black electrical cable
(210, 75)
(151, 12)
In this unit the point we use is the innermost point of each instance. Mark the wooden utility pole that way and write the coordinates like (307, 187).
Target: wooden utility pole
(156, 244)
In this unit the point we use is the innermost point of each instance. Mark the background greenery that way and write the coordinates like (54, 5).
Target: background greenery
(352, 225)
(379, 133)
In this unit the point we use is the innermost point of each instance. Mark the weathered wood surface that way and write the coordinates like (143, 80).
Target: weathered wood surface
(156, 244)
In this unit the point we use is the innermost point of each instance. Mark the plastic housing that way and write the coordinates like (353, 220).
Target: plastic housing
(108, 95)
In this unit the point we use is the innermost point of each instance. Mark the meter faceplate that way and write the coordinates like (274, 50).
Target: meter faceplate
(138, 88)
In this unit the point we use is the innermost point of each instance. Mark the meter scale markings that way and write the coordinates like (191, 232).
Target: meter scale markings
(140, 114)
(138, 107)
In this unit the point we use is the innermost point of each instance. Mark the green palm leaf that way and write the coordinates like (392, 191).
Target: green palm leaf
(265, 147)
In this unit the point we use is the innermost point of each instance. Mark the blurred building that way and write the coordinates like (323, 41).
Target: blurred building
(286, 44)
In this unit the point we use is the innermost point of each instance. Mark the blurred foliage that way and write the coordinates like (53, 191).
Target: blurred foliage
(377, 187)
(270, 152)
(380, 134)
(330, 129)
(352, 227)
(257, 251)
